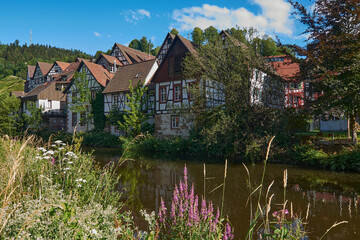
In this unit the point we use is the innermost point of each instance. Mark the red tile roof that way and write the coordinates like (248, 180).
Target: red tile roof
(100, 73)
(188, 44)
(68, 72)
(136, 72)
(36, 91)
(133, 55)
(31, 70)
(287, 69)
(62, 65)
(110, 59)
(82, 59)
(44, 67)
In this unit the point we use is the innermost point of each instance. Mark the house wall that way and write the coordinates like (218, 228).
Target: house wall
(163, 126)
(55, 70)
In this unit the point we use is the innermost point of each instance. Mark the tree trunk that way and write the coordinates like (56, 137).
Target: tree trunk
(353, 127)
(348, 125)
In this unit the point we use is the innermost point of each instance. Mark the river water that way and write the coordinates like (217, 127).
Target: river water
(331, 196)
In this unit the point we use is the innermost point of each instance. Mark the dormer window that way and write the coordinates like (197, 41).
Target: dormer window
(169, 40)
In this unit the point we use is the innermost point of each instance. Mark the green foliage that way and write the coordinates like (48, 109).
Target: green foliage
(211, 35)
(197, 36)
(144, 45)
(97, 111)
(332, 54)
(11, 83)
(34, 119)
(14, 57)
(238, 127)
(90, 138)
(81, 104)
(9, 107)
(174, 31)
(135, 115)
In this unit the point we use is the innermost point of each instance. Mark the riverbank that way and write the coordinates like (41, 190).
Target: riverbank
(301, 149)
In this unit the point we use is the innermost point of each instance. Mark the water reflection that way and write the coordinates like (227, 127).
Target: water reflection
(331, 196)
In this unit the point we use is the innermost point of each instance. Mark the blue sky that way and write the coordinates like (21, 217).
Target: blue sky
(96, 25)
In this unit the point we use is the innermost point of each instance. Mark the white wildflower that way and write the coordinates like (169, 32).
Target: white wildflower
(79, 180)
(84, 181)
(61, 148)
(38, 157)
(69, 162)
(64, 144)
(65, 159)
(69, 153)
(67, 168)
(58, 141)
(79, 185)
(93, 231)
(46, 157)
(50, 152)
(53, 145)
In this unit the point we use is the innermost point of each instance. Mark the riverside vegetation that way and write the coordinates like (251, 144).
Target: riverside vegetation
(54, 190)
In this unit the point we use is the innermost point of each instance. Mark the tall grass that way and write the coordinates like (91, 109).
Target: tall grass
(57, 191)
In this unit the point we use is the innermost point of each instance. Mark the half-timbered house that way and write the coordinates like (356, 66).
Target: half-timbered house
(109, 62)
(128, 55)
(165, 46)
(140, 74)
(29, 77)
(97, 77)
(40, 74)
(57, 68)
(173, 91)
(51, 102)
(62, 80)
(288, 70)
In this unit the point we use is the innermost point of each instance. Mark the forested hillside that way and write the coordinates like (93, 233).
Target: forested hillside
(14, 57)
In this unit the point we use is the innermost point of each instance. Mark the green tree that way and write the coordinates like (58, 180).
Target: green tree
(81, 104)
(197, 36)
(9, 107)
(135, 44)
(97, 111)
(237, 126)
(211, 34)
(174, 31)
(136, 113)
(332, 55)
(145, 45)
(33, 119)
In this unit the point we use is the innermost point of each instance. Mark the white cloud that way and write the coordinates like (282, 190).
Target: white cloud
(97, 34)
(132, 16)
(275, 17)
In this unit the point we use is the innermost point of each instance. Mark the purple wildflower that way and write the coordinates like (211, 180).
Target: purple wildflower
(53, 161)
(210, 210)
(217, 216)
(227, 232)
(181, 210)
(176, 195)
(172, 212)
(203, 209)
(196, 210)
(162, 211)
(185, 179)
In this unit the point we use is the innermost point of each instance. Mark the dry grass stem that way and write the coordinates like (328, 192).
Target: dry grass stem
(333, 226)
